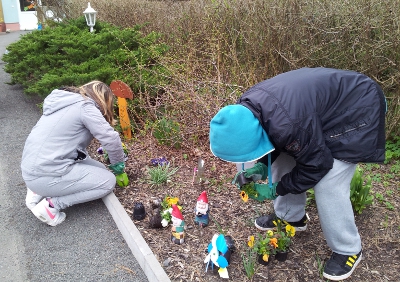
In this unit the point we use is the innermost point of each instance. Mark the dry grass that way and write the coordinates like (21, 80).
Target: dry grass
(219, 48)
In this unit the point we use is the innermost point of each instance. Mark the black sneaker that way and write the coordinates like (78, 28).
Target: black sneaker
(340, 267)
(266, 222)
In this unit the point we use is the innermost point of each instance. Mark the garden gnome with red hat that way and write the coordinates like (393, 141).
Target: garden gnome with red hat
(178, 226)
(202, 210)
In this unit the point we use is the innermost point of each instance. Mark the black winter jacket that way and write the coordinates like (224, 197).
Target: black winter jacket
(316, 115)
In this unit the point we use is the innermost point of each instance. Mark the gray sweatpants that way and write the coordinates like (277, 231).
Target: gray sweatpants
(88, 180)
(332, 195)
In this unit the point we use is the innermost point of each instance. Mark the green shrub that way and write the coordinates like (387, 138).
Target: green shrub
(68, 54)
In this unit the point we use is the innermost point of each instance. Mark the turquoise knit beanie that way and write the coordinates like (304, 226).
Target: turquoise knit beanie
(237, 136)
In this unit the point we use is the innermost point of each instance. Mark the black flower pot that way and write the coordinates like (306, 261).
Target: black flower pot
(138, 211)
(263, 262)
(230, 243)
(242, 180)
(281, 256)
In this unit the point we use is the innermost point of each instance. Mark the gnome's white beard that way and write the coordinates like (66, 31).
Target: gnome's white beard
(176, 221)
(201, 208)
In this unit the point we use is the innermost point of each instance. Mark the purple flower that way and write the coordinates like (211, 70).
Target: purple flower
(100, 150)
(159, 161)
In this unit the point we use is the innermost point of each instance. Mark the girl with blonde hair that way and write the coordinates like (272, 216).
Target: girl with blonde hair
(55, 164)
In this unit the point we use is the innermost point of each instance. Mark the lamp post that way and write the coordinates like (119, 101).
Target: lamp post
(90, 16)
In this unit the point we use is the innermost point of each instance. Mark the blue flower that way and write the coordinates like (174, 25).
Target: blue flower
(159, 161)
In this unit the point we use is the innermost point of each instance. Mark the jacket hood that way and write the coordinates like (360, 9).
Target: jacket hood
(59, 99)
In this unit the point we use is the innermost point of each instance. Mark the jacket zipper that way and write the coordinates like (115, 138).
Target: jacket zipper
(352, 129)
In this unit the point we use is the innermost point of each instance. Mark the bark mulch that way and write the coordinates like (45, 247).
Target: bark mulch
(379, 225)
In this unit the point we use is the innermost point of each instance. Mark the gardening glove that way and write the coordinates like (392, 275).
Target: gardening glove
(265, 192)
(122, 179)
(117, 168)
(258, 172)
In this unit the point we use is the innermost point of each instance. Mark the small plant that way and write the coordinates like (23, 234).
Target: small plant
(283, 235)
(389, 206)
(249, 262)
(310, 196)
(160, 174)
(360, 192)
(247, 190)
(381, 199)
(167, 132)
(395, 167)
(320, 265)
(392, 149)
(166, 209)
(263, 246)
(377, 177)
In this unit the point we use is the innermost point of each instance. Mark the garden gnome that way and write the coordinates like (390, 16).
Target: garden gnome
(178, 226)
(201, 210)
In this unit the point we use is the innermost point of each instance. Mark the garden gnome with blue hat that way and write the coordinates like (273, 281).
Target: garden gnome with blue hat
(178, 226)
(310, 126)
(201, 210)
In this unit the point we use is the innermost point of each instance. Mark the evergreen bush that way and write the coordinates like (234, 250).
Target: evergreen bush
(68, 54)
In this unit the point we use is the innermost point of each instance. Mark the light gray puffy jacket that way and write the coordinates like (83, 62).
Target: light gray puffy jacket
(67, 126)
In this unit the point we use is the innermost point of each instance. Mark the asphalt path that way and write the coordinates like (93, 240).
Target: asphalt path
(87, 246)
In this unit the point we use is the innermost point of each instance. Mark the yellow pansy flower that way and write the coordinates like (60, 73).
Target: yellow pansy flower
(290, 230)
(172, 201)
(265, 257)
(244, 196)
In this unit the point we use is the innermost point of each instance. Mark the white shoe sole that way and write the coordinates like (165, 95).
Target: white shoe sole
(53, 223)
(344, 276)
(302, 228)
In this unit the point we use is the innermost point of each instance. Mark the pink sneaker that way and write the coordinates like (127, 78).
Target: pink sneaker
(32, 199)
(47, 214)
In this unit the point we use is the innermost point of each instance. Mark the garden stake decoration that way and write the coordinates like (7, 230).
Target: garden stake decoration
(123, 91)
(201, 210)
(219, 254)
(198, 172)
